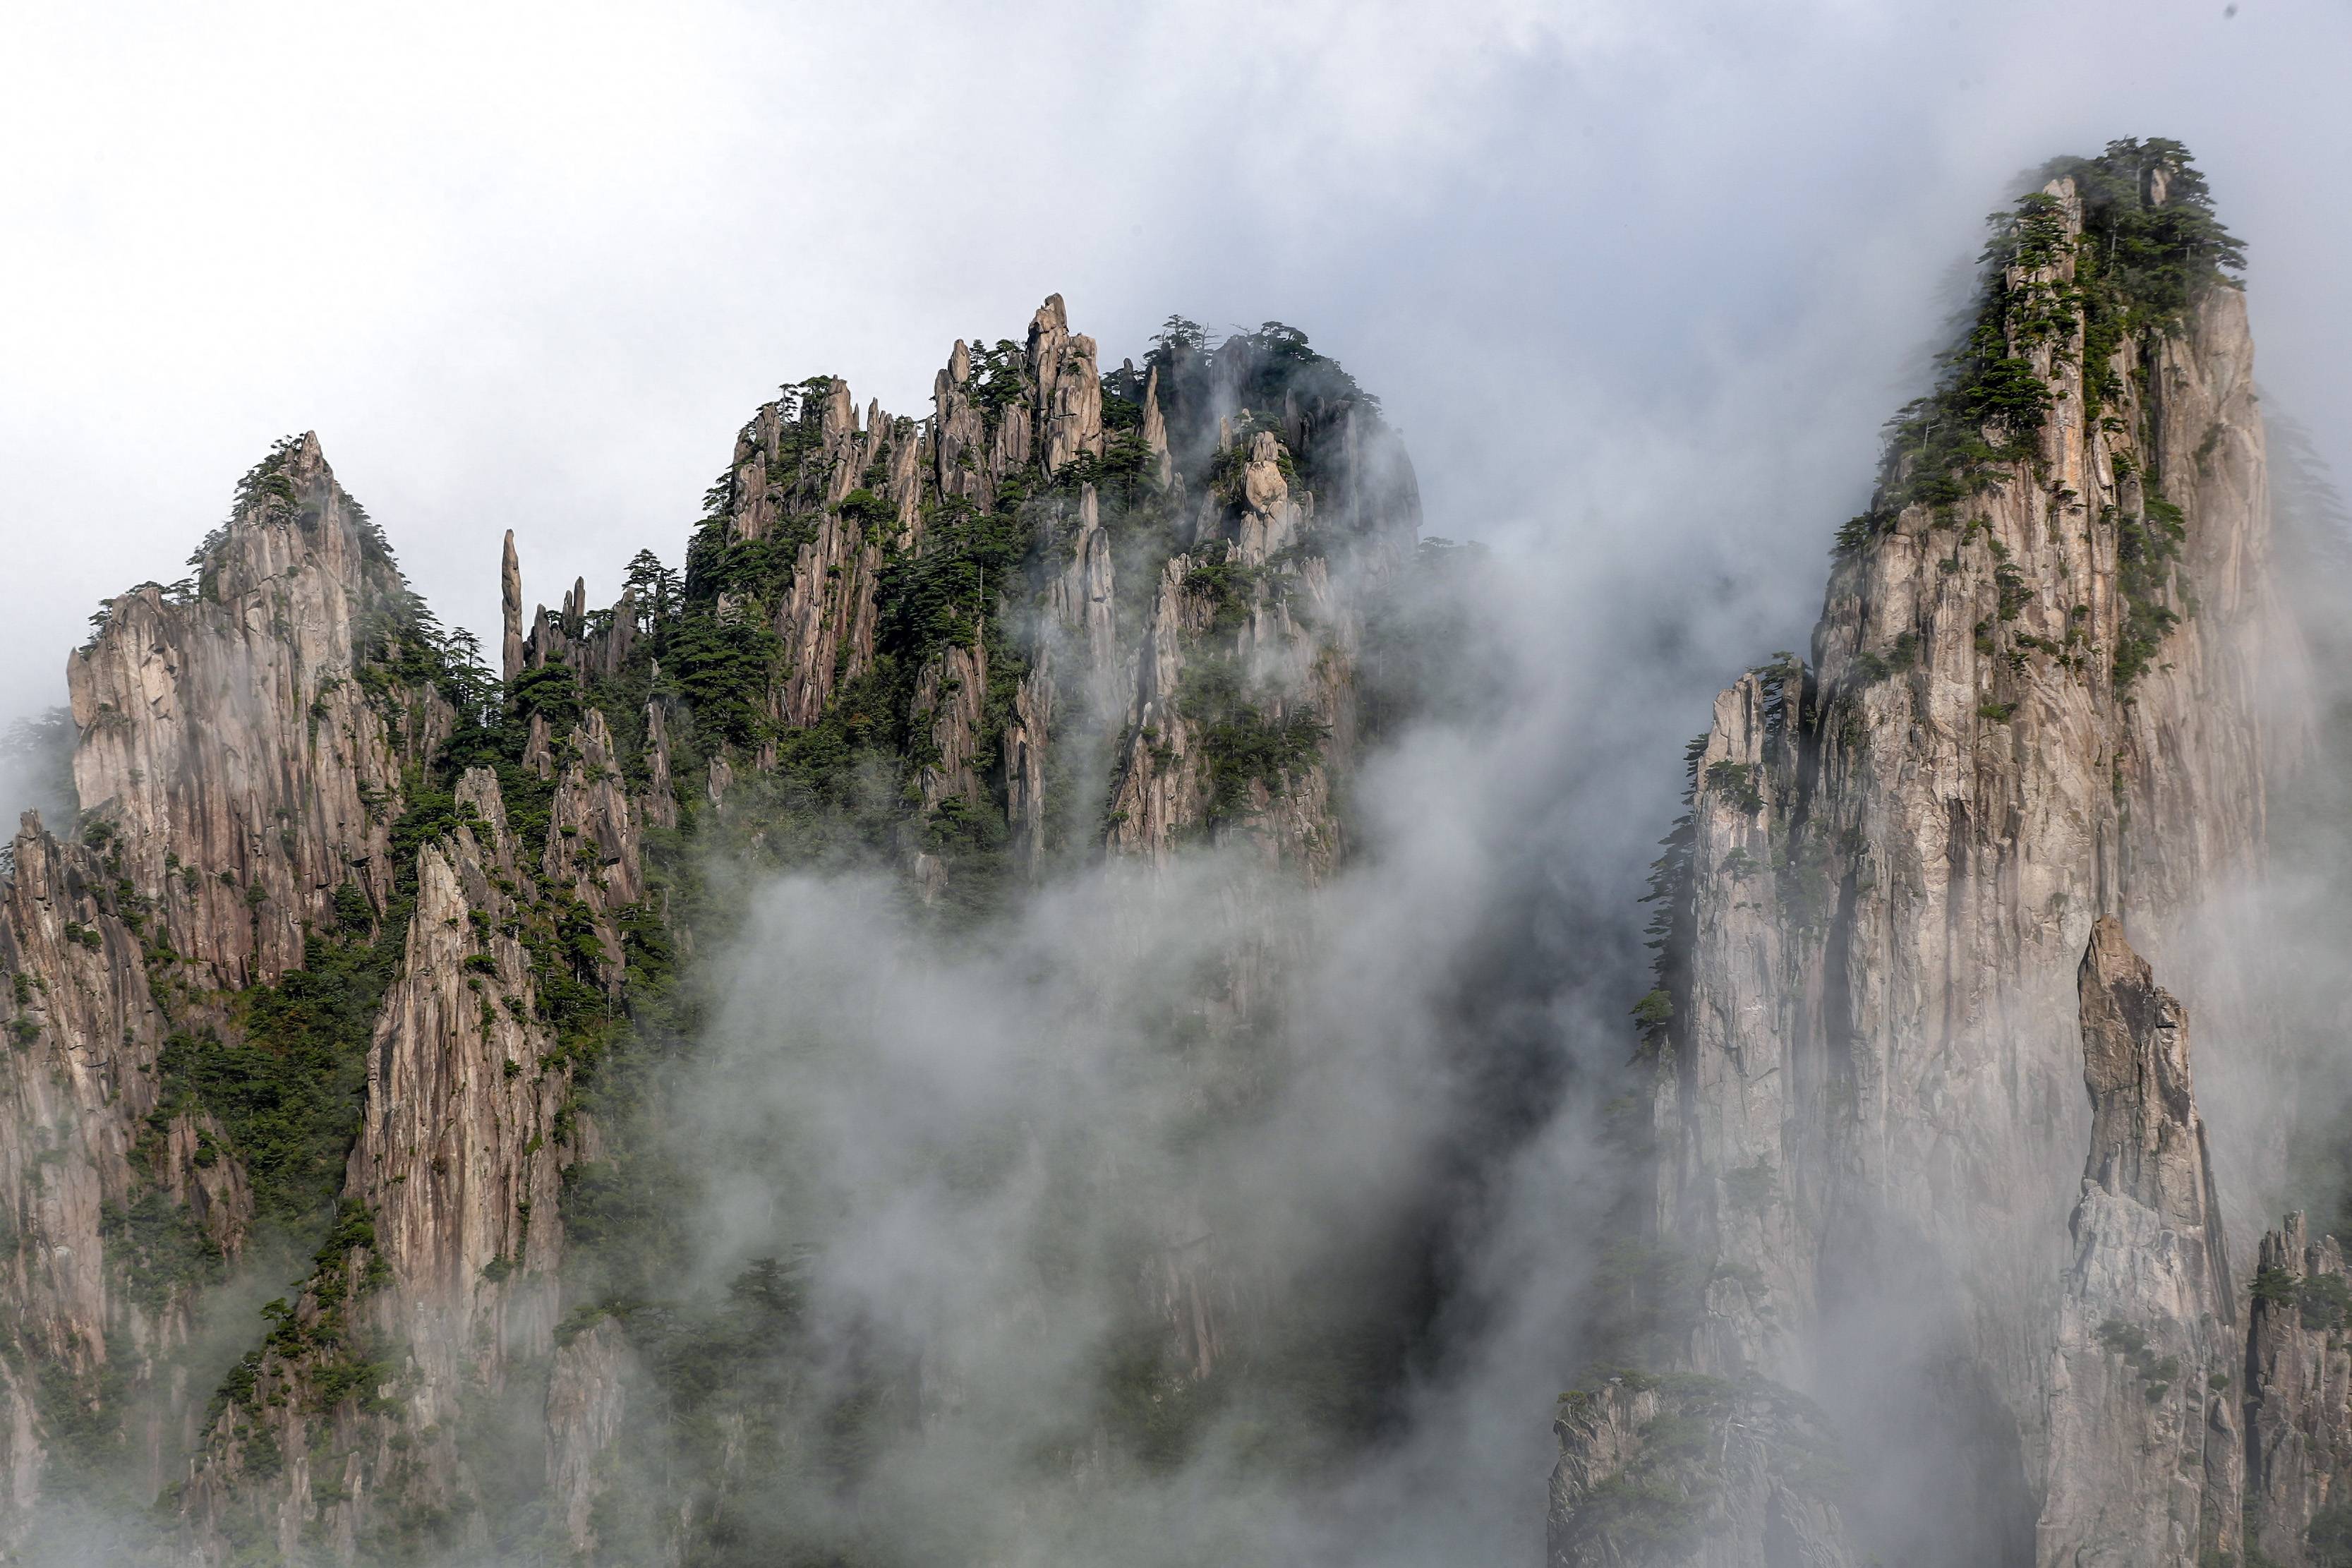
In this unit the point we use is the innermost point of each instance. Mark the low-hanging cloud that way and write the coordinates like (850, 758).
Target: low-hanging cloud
(1140, 1127)
(1637, 289)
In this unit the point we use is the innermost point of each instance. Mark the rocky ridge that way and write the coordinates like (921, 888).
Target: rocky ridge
(326, 856)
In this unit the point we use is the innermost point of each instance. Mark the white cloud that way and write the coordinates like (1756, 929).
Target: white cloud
(529, 265)
(1638, 280)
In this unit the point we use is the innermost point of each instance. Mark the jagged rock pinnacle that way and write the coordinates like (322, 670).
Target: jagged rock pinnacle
(2146, 1461)
(1155, 428)
(510, 609)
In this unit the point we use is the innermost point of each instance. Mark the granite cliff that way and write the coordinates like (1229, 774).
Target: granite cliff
(2053, 693)
(361, 953)
(359, 1019)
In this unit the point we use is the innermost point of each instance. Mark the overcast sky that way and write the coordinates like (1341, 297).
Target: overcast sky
(1648, 273)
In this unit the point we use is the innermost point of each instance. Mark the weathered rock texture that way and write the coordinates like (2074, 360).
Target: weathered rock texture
(1218, 699)
(247, 740)
(243, 737)
(587, 1400)
(512, 657)
(458, 1156)
(1226, 661)
(1067, 615)
(1700, 1470)
(2298, 1400)
(81, 1151)
(2031, 701)
(441, 1276)
(227, 733)
(2146, 1456)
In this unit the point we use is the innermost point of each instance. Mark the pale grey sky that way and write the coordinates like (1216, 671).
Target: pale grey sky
(1646, 271)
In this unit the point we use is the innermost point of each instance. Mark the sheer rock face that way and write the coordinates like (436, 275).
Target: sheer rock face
(1699, 1471)
(957, 431)
(228, 736)
(827, 624)
(1155, 430)
(1163, 786)
(1870, 1131)
(1101, 684)
(1075, 692)
(455, 1185)
(795, 463)
(1201, 1297)
(459, 1086)
(804, 464)
(2146, 1454)
(949, 696)
(587, 1400)
(79, 1038)
(512, 659)
(460, 1156)
(1269, 518)
(2298, 1410)
(592, 839)
(1023, 760)
(950, 713)
(1084, 601)
(657, 806)
(1242, 607)
(82, 1036)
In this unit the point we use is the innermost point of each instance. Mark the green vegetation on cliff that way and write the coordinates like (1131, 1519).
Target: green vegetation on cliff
(897, 770)
(2149, 245)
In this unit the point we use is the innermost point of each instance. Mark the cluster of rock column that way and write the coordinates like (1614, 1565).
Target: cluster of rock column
(245, 748)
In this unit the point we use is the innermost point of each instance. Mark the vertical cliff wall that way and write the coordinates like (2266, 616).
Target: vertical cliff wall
(353, 1428)
(2038, 694)
(95, 1179)
(2299, 1409)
